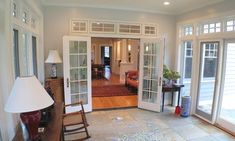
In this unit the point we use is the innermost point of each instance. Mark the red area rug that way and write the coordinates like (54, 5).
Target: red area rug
(111, 90)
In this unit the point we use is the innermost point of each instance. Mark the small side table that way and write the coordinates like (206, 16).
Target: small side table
(57, 88)
(171, 88)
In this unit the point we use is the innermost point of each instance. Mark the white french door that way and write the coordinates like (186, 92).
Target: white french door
(207, 84)
(77, 71)
(226, 113)
(150, 71)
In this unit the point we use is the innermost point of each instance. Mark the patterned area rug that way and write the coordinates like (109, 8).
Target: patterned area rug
(111, 90)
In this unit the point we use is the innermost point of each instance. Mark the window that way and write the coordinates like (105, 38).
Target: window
(188, 53)
(188, 30)
(150, 30)
(24, 17)
(186, 66)
(102, 27)
(106, 51)
(14, 9)
(16, 52)
(78, 26)
(34, 52)
(129, 28)
(24, 56)
(210, 59)
(230, 25)
(211, 28)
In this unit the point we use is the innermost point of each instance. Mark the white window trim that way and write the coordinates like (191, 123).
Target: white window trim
(102, 22)
(72, 21)
(129, 24)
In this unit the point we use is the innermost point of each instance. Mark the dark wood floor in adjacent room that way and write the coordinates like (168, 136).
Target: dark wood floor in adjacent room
(112, 102)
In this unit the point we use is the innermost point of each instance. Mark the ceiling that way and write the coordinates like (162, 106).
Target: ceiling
(154, 6)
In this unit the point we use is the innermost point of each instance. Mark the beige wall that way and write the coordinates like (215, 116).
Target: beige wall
(56, 25)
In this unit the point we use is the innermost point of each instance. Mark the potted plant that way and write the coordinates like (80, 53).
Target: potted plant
(170, 75)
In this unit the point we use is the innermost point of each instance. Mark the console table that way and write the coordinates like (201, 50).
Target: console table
(171, 88)
(53, 129)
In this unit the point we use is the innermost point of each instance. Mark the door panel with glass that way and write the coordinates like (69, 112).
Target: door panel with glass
(207, 79)
(186, 67)
(226, 116)
(151, 62)
(77, 78)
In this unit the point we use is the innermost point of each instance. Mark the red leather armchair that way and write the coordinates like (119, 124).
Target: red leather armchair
(132, 79)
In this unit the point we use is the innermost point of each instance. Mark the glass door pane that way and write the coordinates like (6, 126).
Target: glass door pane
(227, 109)
(34, 52)
(151, 71)
(186, 61)
(78, 71)
(208, 71)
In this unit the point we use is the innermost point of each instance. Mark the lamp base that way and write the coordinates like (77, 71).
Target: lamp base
(31, 121)
(53, 71)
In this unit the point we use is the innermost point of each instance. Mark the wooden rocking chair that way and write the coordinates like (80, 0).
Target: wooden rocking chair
(75, 122)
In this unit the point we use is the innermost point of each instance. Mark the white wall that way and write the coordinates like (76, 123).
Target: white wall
(9, 121)
(56, 25)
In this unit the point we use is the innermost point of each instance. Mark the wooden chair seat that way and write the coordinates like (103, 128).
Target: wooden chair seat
(72, 119)
(75, 122)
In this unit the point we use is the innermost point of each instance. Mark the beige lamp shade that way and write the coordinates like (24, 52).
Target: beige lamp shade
(27, 95)
(53, 57)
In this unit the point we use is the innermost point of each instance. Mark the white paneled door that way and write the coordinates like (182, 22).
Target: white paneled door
(77, 71)
(150, 74)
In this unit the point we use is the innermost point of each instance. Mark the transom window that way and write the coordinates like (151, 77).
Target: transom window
(212, 28)
(24, 17)
(129, 28)
(14, 9)
(188, 30)
(230, 25)
(150, 30)
(102, 27)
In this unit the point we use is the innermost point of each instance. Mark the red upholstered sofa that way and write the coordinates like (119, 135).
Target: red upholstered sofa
(132, 79)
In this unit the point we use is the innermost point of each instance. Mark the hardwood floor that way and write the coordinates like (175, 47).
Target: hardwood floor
(112, 102)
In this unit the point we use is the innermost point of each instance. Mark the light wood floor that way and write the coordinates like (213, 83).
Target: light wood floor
(112, 102)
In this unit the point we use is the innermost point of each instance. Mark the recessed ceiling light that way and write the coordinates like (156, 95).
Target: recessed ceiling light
(166, 3)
